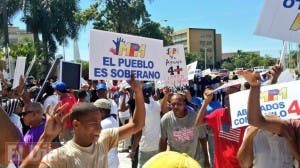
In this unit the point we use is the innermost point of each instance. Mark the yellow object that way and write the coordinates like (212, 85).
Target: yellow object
(296, 24)
(170, 159)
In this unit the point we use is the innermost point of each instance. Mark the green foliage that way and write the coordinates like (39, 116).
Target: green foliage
(247, 60)
(190, 57)
(25, 48)
(154, 30)
(85, 68)
(227, 65)
(13, 6)
(55, 21)
(122, 16)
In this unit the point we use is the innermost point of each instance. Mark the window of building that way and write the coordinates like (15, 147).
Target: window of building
(179, 36)
(208, 35)
(202, 35)
(209, 43)
(202, 43)
(209, 50)
(183, 42)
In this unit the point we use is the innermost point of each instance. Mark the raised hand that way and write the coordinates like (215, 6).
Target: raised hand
(252, 77)
(135, 85)
(166, 91)
(55, 121)
(275, 71)
(208, 95)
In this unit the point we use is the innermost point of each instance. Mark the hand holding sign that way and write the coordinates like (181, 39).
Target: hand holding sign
(208, 95)
(252, 77)
(135, 85)
(275, 71)
(166, 91)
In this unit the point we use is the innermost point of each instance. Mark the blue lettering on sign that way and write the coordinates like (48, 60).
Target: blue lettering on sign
(132, 63)
(290, 3)
(107, 61)
(283, 113)
(273, 106)
(242, 112)
(120, 73)
(98, 72)
(241, 121)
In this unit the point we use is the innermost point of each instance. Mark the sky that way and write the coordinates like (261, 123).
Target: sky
(235, 19)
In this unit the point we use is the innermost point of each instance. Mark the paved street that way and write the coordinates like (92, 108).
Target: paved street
(125, 161)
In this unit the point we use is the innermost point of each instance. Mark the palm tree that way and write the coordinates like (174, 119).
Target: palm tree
(54, 20)
(12, 7)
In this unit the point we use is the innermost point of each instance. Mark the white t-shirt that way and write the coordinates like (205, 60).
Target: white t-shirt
(52, 101)
(124, 114)
(72, 155)
(113, 159)
(114, 107)
(151, 132)
(271, 150)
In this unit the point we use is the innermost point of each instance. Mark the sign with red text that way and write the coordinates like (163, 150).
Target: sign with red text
(176, 68)
(115, 56)
(280, 19)
(282, 100)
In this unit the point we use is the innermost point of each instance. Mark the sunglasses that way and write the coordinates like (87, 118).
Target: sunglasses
(23, 114)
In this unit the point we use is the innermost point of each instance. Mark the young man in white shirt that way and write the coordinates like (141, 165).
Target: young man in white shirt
(108, 121)
(90, 145)
(148, 138)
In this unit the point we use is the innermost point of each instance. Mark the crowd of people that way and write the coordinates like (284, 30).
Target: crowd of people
(88, 127)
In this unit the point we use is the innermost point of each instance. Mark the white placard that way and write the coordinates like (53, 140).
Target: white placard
(281, 100)
(20, 69)
(238, 81)
(191, 69)
(114, 56)
(280, 19)
(30, 66)
(206, 72)
(176, 69)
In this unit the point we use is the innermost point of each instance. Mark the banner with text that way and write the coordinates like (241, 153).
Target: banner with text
(191, 69)
(114, 56)
(280, 19)
(175, 66)
(281, 100)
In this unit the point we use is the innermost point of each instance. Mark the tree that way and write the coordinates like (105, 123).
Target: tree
(12, 6)
(85, 68)
(247, 60)
(125, 16)
(153, 29)
(227, 65)
(25, 48)
(55, 21)
(190, 57)
(122, 16)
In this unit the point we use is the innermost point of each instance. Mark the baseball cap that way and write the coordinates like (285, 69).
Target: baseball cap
(171, 159)
(60, 86)
(101, 86)
(102, 103)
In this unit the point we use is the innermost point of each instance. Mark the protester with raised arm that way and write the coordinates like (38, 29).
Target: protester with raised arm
(90, 145)
(284, 132)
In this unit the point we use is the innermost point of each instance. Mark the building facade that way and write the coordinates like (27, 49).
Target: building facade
(202, 42)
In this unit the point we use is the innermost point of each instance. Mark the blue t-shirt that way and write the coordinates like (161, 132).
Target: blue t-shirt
(212, 106)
